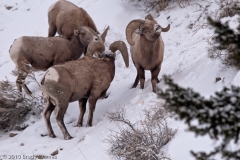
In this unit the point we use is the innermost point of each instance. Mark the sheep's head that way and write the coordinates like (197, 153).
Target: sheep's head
(117, 45)
(86, 35)
(148, 28)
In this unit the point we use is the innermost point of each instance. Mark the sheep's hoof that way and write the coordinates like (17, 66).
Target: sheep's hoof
(89, 125)
(155, 89)
(68, 137)
(52, 135)
(134, 86)
(78, 125)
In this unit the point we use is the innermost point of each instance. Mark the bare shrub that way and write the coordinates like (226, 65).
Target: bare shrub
(224, 44)
(142, 140)
(213, 51)
(157, 5)
(15, 107)
(224, 55)
(204, 11)
(183, 3)
(227, 8)
(227, 52)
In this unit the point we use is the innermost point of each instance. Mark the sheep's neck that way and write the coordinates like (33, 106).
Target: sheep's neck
(77, 47)
(111, 66)
(149, 45)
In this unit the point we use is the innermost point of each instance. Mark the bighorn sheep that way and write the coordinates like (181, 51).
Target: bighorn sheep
(64, 17)
(146, 47)
(40, 53)
(84, 79)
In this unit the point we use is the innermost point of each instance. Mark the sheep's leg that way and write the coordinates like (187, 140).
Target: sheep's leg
(92, 103)
(104, 94)
(155, 80)
(61, 110)
(136, 82)
(46, 114)
(141, 74)
(52, 30)
(85, 50)
(82, 106)
(20, 82)
(136, 79)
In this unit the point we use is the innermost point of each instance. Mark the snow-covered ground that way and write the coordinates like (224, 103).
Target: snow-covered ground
(185, 60)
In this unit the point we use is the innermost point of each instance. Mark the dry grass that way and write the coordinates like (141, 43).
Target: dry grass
(142, 140)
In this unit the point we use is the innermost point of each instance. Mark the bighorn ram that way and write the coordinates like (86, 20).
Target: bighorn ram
(146, 47)
(64, 17)
(84, 79)
(40, 53)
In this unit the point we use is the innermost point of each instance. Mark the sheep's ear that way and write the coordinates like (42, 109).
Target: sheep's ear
(149, 16)
(76, 32)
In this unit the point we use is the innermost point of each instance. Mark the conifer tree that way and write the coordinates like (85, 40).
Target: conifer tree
(228, 40)
(219, 116)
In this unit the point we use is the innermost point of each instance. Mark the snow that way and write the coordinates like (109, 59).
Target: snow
(185, 60)
(236, 80)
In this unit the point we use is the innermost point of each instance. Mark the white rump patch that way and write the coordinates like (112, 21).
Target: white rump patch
(52, 75)
(51, 7)
(15, 48)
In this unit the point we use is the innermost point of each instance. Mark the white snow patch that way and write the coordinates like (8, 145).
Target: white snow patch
(236, 80)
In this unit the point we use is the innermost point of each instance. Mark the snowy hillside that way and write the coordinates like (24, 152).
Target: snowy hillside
(185, 60)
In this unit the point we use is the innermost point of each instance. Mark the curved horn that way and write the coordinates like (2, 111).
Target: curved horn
(121, 46)
(166, 29)
(131, 27)
(104, 34)
(95, 46)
